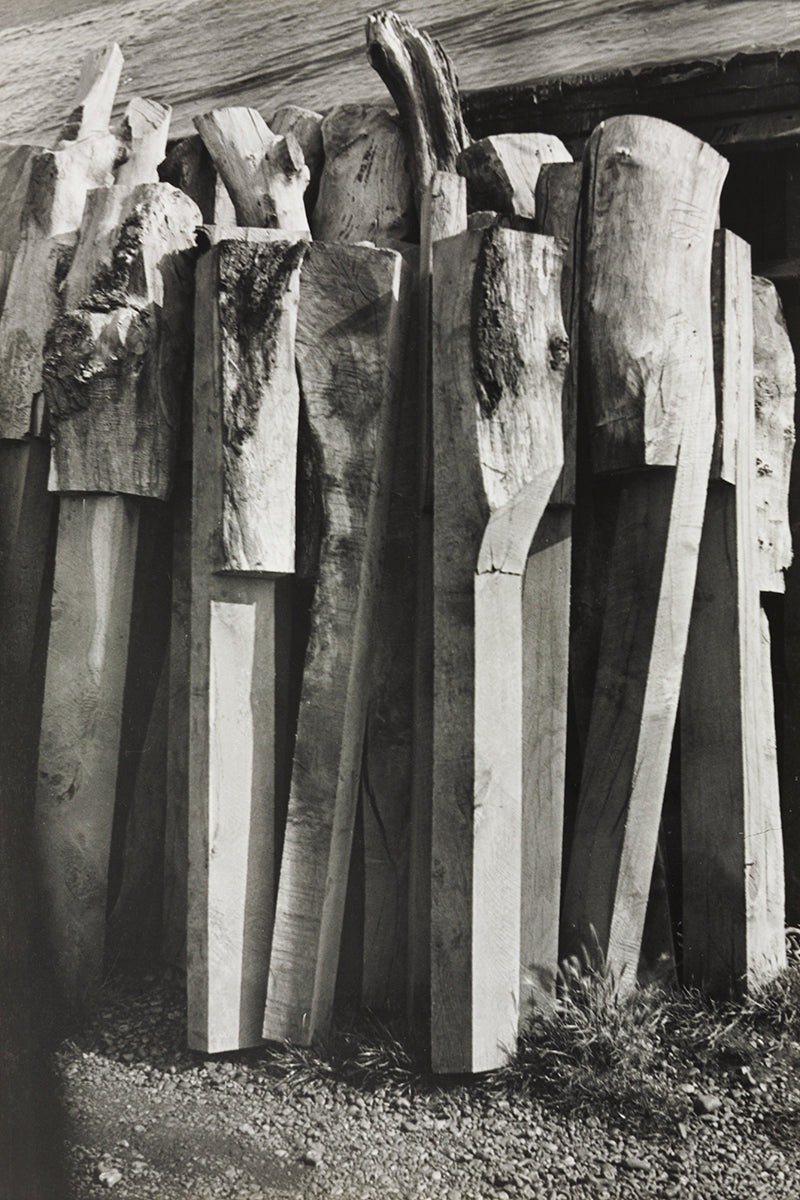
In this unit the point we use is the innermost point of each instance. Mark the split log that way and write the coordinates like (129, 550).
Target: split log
(499, 358)
(775, 385)
(733, 918)
(652, 201)
(502, 171)
(349, 347)
(420, 79)
(15, 170)
(243, 537)
(365, 191)
(264, 174)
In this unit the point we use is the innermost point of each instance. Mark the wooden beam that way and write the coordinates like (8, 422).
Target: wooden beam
(500, 357)
(365, 191)
(243, 540)
(733, 918)
(306, 126)
(655, 190)
(189, 166)
(350, 330)
(144, 134)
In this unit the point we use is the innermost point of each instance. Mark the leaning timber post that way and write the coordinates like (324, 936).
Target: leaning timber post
(651, 203)
(500, 355)
(113, 375)
(243, 551)
(531, 177)
(350, 339)
(733, 905)
(422, 82)
(366, 193)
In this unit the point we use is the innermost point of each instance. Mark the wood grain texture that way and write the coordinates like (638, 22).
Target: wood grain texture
(732, 855)
(257, 403)
(654, 191)
(349, 342)
(115, 363)
(775, 385)
(500, 356)
(237, 688)
(502, 171)
(264, 174)
(144, 135)
(443, 213)
(57, 185)
(194, 56)
(188, 166)
(654, 559)
(86, 662)
(365, 191)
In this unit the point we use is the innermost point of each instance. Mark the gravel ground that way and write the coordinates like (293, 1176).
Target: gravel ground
(147, 1118)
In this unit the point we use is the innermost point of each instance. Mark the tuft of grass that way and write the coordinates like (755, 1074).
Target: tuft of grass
(776, 1005)
(364, 1051)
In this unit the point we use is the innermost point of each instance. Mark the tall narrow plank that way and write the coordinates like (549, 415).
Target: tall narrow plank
(81, 715)
(243, 539)
(349, 343)
(500, 358)
(732, 859)
(654, 189)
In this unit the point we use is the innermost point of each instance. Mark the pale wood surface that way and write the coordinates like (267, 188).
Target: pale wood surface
(730, 824)
(502, 171)
(775, 384)
(86, 662)
(443, 213)
(499, 360)
(652, 187)
(654, 559)
(365, 191)
(265, 174)
(116, 361)
(144, 134)
(193, 55)
(237, 687)
(349, 342)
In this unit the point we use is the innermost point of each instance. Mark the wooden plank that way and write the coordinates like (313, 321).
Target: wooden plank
(633, 367)
(443, 213)
(144, 135)
(188, 166)
(500, 355)
(733, 915)
(349, 343)
(245, 450)
(306, 125)
(86, 663)
(176, 819)
(775, 385)
(264, 174)
(365, 191)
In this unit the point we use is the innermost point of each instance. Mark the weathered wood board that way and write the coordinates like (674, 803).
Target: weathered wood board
(349, 345)
(245, 448)
(499, 361)
(649, 398)
(733, 915)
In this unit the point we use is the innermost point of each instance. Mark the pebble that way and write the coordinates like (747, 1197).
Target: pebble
(313, 1156)
(633, 1163)
(109, 1176)
(705, 1103)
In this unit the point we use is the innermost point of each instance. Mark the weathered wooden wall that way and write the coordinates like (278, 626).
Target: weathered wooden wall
(196, 54)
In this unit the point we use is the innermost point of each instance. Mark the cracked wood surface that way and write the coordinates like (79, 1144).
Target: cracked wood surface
(499, 361)
(349, 342)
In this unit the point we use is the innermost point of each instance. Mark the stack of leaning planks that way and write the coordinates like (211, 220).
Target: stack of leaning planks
(434, 433)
